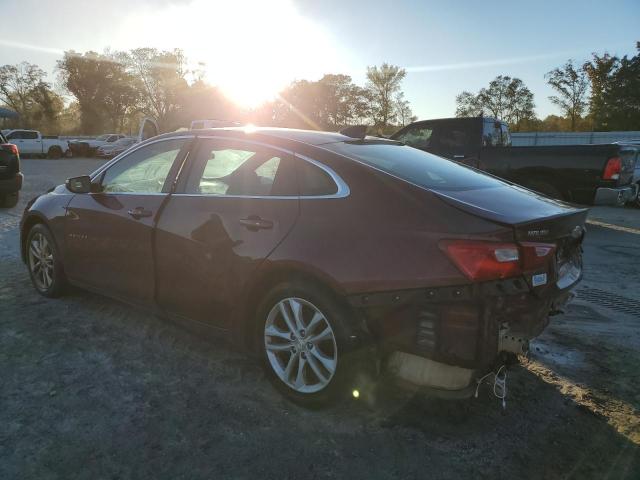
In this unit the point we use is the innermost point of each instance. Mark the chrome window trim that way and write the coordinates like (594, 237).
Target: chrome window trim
(343, 189)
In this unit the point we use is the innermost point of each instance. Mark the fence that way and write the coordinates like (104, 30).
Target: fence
(528, 139)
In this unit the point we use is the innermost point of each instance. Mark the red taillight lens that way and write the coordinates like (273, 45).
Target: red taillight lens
(612, 169)
(483, 260)
(11, 147)
(536, 255)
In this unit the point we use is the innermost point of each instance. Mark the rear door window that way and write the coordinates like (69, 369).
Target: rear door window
(232, 168)
(417, 137)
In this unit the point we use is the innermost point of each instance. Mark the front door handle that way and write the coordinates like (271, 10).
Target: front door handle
(255, 223)
(139, 213)
(458, 157)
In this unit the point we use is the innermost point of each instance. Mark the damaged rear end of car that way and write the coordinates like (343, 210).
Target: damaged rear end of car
(518, 255)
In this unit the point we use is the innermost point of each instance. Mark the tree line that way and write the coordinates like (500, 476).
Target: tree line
(601, 94)
(112, 91)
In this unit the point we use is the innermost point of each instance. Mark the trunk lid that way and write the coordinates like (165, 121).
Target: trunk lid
(534, 217)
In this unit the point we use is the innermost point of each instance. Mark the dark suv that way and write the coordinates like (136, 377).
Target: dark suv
(10, 176)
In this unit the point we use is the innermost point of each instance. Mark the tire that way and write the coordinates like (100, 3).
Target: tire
(43, 262)
(54, 152)
(9, 200)
(320, 345)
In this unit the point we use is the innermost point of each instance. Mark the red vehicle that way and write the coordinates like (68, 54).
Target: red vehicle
(326, 254)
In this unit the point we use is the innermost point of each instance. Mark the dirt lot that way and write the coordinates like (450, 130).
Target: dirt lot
(91, 388)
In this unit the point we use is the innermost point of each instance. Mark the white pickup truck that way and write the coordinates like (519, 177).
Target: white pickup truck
(32, 142)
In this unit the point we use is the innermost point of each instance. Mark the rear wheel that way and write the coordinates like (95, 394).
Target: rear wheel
(54, 152)
(9, 200)
(43, 260)
(302, 339)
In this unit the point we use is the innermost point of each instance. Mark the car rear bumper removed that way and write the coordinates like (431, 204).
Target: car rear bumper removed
(615, 196)
(440, 340)
(11, 185)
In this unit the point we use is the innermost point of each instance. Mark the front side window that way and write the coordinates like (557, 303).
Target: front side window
(237, 169)
(143, 171)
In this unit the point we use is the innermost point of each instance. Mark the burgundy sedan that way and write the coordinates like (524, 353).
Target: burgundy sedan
(332, 257)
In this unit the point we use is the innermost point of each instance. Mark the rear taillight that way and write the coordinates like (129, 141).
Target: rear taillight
(10, 147)
(612, 169)
(481, 261)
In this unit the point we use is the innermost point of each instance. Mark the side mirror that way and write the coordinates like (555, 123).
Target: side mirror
(80, 184)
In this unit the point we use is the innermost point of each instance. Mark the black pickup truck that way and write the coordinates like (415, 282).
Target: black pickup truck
(10, 176)
(586, 174)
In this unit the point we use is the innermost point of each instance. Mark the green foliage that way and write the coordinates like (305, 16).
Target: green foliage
(505, 98)
(615, 91)
(571, 83)
(23, 89)
(383, 84)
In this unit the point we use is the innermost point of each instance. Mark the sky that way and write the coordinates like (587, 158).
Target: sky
(253, 48)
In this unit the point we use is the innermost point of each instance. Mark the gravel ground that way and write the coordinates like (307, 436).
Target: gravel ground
(92, 388)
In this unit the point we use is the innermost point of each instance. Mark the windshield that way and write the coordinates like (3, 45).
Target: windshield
(416, 166)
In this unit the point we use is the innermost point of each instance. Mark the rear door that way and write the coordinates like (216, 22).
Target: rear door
(238, 201)
(108, 235)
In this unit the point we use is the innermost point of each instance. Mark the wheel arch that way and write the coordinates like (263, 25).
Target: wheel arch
(28, 223)
(267, 277)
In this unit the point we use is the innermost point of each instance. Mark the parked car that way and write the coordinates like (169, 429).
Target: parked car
(211, 123)
(10, 175)
(88, 147)
(32, 142)
(586, 174)
(635, 201)
(110, 150)
(325, 254)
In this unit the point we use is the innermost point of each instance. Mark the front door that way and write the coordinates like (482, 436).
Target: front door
(238, 202)
(109, 234)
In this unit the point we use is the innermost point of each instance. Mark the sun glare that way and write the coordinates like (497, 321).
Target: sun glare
(251, 48)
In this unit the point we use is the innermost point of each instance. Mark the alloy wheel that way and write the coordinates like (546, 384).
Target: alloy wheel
(300, 345)
(41, 261)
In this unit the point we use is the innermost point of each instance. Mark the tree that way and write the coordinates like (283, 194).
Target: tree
(383, 83)
(162, 82)
(571, 83)
(23, 89)
(403, 110)
(104, 90)
(615, 91)
(505, 98)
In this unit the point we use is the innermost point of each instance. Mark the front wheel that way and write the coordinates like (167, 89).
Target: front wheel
(302, 339)
(43, 260)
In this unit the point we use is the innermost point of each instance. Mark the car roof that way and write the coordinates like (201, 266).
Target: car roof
(311, 137)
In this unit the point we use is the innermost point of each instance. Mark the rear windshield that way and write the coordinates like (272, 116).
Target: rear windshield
(416, 166)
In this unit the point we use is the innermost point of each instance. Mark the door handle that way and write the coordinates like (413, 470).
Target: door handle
(458, 157)
(255, 223)
(139, 213)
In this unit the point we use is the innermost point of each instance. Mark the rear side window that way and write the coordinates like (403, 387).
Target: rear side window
(416, 166)
(229, 168)
(491, 136)
(314, 181)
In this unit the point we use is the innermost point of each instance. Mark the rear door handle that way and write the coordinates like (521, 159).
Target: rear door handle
(139, 212)
(458, 157)
(255, 223)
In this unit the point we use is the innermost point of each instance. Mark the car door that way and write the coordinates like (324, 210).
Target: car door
(108, 234)
(237, 203)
